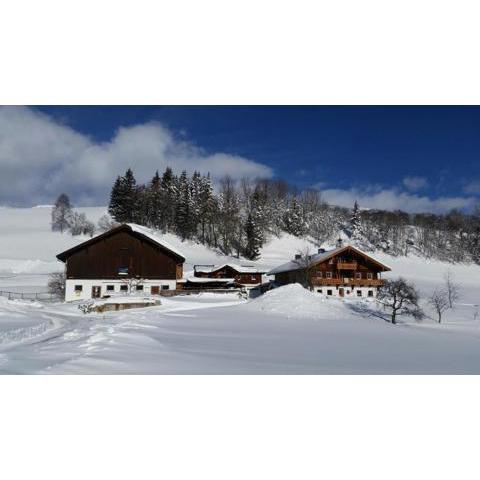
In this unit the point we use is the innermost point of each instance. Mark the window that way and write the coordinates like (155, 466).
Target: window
(78, 288)
(370, 293)
(330, 261)
(329, 292)
(139, 288)
(165, 287)
(123, 288)
(359, 293)
(319, 291)
(329, 274)
(348, 292)
(358, 274)
(123, 270)
(369, 275)
(110, 288)
(319, 273)
(253, 278)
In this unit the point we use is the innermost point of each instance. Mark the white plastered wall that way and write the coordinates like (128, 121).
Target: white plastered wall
(86, 292)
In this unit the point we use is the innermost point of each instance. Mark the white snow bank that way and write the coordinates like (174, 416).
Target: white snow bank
(295, 301)
(127, 299)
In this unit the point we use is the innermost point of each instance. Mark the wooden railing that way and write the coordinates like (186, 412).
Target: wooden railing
(374, 282)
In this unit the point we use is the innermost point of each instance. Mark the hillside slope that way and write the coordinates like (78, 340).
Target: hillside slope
(28, 248)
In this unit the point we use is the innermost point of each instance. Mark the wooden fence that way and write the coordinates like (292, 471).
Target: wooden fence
(33, 296)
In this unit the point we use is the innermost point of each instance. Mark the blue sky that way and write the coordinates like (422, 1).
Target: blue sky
(416, 158)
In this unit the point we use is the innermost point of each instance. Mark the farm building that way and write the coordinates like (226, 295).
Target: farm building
(344, 271)
(129, 258)
(228, 274)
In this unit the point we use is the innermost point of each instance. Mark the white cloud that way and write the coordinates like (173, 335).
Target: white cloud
(40, 158)
(415, 183)
(394, 199)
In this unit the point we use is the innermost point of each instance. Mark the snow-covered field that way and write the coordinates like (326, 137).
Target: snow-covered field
(288, 330)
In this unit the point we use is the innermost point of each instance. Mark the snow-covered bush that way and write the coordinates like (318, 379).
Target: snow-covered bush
(87, 307)
(106, 223)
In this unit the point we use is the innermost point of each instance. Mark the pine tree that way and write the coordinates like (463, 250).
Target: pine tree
(61, 214)
(254, 238)
(123, 198)
(183, 214)
(294, 219)
(228, 216)
(170, 194)
(206, 208)
(156, 203)
(195, 201)
(255, 224)
(355, 221)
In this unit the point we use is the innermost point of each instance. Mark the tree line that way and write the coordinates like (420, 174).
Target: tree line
(237, 217)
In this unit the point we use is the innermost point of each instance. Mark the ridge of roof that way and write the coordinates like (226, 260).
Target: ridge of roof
(133, 227)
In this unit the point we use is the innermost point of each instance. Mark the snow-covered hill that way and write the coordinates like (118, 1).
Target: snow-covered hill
(288, 330)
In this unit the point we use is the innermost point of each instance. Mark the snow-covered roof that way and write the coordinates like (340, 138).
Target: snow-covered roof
(148, 233)
(238, 268)
(154, 236)
(293, 265)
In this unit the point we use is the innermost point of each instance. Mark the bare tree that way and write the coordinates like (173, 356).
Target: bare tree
(439, 301)
(452, 288)
(56, 284)
(80, 225)
(132, 282)
(61, 213)
(306, 266)
(400, 298)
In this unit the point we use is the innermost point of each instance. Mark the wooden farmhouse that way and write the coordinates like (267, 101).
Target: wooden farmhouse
(129, 258)
(344, 271)
(228, 275)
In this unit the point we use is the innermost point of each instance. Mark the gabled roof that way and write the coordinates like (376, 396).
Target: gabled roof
(322, 257)
(142, 232)
(234, 266)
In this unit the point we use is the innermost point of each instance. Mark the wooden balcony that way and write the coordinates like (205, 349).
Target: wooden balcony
(346, 265)
(354, 282)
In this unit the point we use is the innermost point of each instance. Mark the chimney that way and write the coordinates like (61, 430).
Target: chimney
(339, 243)
(321, 250)
(298, 256)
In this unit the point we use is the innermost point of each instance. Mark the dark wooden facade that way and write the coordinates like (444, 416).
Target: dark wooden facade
(122, 253)
(229, 272)
(348, 267)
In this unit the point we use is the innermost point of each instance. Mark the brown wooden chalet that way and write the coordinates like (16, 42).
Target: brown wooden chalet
(109, 263)
(344, 271)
